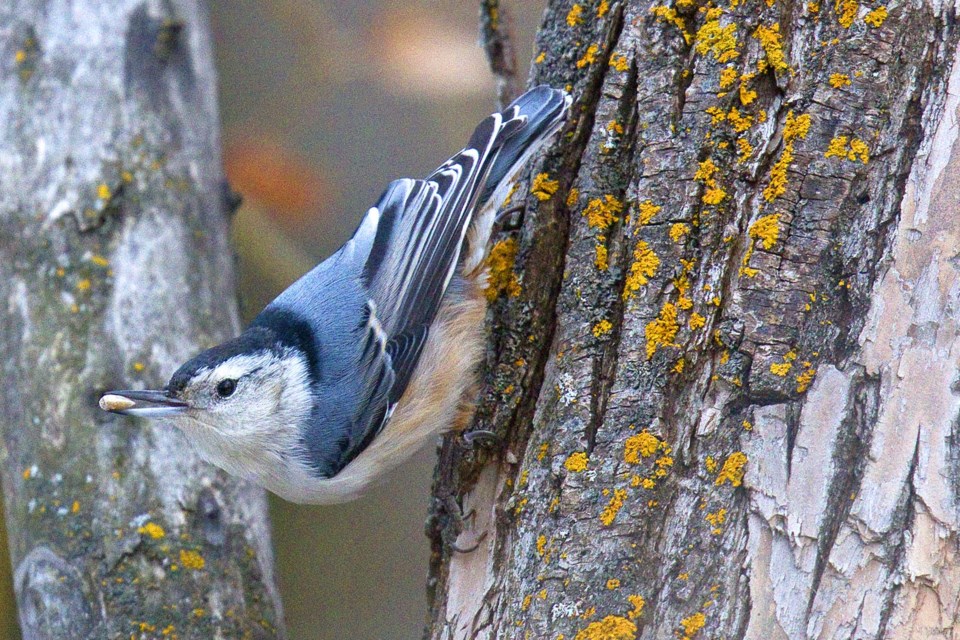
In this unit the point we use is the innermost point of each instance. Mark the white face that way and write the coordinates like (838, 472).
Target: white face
(247, 393)
(244, 415)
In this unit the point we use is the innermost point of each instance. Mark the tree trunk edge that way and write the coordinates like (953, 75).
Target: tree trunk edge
(533, 502)
(116, 268)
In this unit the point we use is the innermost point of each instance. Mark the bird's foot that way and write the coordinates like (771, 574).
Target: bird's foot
(477, 541)
(478, 437)
(458, 536)
(511, 219)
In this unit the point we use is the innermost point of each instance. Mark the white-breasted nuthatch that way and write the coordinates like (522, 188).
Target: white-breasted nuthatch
(373, 352)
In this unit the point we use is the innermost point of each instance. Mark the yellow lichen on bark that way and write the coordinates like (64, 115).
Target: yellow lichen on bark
(851, 149)
(501, 280)
(153, 530)
(783, 368)
(678, 230)
(747, 95)
(740, 122)
(705, 171)
(717, 115)
(661, 331)
(610, 628)
(713, 194)
(839, 80)
(601, 260)
(646, 211)
(846, 12)
(609, 513)
(667, 14)
(780, 368)
(876, 17)
(602, 212)
(795, 128)
(804, 379)
(509, 198)
(716, 519)
(576, 462)
(692, 625)
(778, 175)
(543, 187)
(641, 445)
(859, 148)
(718, 41)
(710, 464)
(732, 470)
(766, 230)
(728, 77)
(619, 62)
(770, 41)
(589, 57)
(191, 559)
(602, 328)
(644, 266)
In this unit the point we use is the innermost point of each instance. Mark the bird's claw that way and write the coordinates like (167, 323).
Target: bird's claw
(471, 438)
(478, 540)
(459, 518)
(508, 221)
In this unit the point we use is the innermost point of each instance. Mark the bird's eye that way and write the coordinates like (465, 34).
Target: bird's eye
(225, 388)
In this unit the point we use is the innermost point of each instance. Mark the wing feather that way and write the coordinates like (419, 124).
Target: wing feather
(421, 226)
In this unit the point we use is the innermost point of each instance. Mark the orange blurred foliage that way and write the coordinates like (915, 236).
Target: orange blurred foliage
(272, 176)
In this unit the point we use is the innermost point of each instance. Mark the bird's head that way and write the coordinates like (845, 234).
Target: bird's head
(243, 390)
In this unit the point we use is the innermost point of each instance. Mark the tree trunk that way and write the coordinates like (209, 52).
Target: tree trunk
(724, 374)
(114, 268)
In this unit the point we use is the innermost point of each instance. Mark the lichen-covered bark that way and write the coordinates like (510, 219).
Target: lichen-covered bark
(114, 267)
(726, 388)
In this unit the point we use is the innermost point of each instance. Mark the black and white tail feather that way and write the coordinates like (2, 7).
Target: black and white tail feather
(420, 232)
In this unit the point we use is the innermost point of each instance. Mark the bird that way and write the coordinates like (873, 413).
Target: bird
(375, 351)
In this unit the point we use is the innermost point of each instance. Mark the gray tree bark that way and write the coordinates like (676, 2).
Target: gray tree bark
(114, 268)
(724, 364)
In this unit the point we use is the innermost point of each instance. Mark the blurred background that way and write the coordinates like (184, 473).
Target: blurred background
(323, 103)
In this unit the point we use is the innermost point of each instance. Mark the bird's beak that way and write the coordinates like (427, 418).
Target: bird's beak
(143, 404)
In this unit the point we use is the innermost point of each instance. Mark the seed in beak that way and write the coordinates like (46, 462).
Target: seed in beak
(112, 402)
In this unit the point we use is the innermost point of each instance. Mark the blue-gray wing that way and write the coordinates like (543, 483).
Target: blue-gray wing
(405, 254)
(421, 226)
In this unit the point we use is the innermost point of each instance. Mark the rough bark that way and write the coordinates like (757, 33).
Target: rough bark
(497, 43)
(114, 268)
(777, 296)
